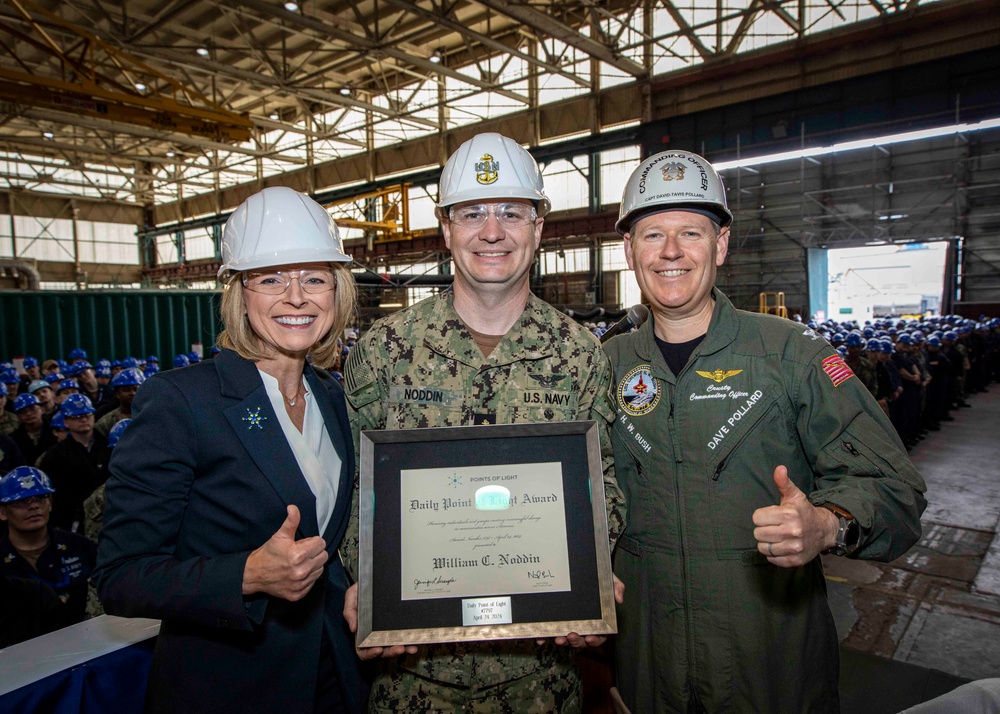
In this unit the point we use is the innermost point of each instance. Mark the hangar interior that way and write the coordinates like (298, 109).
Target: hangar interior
(130, 130)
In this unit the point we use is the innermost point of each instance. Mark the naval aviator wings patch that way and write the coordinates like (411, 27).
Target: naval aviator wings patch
(719, 375)
(837, 370)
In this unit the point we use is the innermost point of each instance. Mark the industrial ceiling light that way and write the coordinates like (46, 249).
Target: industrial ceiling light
(202, 51)
(48, 135)
(292, 6)
(273, 116)
(171, 154)
(345, 91)
(140, 87)
(435, 58)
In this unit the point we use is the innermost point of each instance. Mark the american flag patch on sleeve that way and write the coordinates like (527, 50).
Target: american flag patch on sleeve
(837, 370)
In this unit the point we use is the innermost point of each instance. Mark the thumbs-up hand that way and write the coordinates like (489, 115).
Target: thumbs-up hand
(795, 531)
(284, 567)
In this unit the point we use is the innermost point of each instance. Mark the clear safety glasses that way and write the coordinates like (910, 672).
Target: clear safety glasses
(276, 282)
(509, 215)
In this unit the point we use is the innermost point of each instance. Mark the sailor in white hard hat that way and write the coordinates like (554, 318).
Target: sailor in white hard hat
(490, 352)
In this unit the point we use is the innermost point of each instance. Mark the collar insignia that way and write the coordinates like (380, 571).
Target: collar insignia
(719, 375)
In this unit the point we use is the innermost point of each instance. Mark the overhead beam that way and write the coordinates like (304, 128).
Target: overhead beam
(549, 26)
(484, 40)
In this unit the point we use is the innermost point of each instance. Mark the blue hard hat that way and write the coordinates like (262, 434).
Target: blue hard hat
(24, 482)
(103, 362)
(933, 341)
(855, 340)
(215, 350)
(30, 362)
(67, 384)
(129, 363)
(904, 339)
(115, 363)
(9, 376)
(78, 367)
(868, 332)
(128, 378)
(842, 350)
(193, 357)
(116, 432)
(887, 347)
(951, 335)
(77, 353)
(150, 370)
(181, 361)
(153, 358)
(103, 371)
(4, 366)
(57, 422)
(53, 377)
(77, 405)
(24, 401)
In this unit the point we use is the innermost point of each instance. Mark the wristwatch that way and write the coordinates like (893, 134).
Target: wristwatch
(848, 534)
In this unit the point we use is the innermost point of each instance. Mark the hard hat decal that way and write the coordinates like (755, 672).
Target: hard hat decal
(673, 172)
(487, 170)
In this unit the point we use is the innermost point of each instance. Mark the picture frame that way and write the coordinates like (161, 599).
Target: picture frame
(445, 556)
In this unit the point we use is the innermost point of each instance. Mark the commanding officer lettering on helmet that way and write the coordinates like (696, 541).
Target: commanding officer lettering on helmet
(745, 447)
(477, 356)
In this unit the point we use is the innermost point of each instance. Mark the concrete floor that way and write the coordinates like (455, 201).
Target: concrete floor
(937, 607)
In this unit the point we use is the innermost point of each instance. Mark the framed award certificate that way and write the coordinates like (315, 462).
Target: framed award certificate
(483, 532)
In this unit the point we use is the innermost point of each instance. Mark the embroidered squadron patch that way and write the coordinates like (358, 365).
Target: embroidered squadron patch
(719, 375)
(837, 370)
(638, 392)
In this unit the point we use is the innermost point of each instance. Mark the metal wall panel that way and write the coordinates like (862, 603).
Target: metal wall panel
(108, 324)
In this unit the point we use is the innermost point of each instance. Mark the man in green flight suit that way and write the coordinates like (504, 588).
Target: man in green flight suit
(745, 447)
(490, 352)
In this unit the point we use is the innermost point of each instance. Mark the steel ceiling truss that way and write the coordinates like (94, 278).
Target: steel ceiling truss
(331, 79)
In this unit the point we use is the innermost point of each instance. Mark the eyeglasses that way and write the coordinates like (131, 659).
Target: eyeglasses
(277, 282)
(509, 215)
(30, 501)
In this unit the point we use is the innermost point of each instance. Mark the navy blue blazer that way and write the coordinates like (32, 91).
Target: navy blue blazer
(202, 477)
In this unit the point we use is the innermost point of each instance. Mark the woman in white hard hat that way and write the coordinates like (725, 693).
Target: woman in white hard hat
(231, 490)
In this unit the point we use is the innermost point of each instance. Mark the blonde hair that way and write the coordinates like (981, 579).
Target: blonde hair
(238, 335)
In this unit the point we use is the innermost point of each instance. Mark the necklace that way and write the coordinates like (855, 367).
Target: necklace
(291, 401)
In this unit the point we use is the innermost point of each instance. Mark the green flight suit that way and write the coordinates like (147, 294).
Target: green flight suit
(422, 368)
(706, 619)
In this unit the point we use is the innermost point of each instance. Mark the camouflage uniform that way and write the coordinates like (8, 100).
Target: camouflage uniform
(107, 422)
(544, 355)
(864, 370)
(8, 422)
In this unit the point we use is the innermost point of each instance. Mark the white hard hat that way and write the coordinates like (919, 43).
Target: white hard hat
(278, 226)
(673, 180)
(489, 167)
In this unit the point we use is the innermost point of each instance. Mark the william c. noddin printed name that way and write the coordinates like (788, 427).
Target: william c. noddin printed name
(489, 561)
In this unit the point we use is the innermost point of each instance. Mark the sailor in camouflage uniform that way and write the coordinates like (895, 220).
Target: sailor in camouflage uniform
(488, 353)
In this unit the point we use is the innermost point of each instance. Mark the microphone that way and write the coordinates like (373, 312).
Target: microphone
(635, 317)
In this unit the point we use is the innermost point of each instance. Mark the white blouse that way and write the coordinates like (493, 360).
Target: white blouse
(318, 460)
